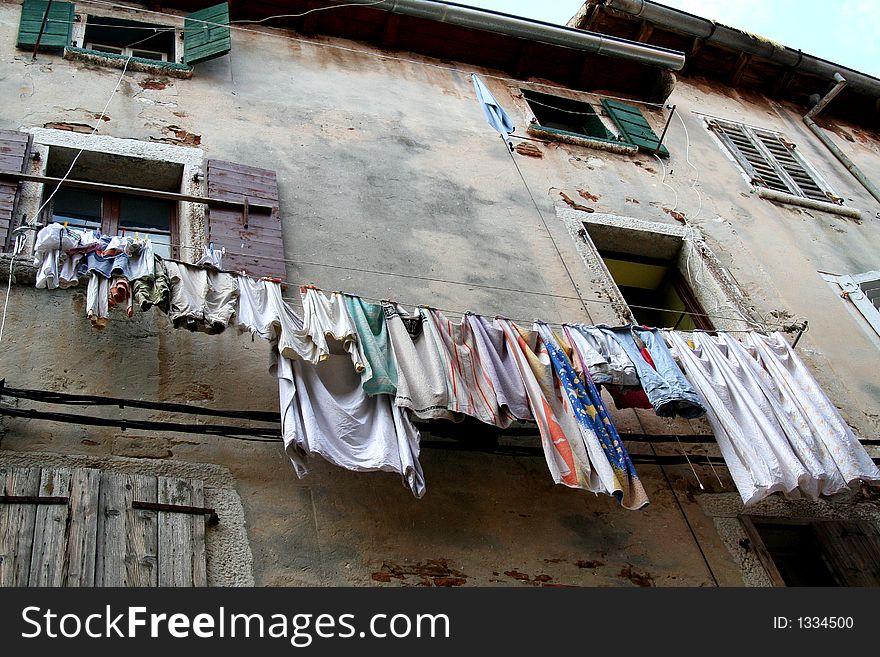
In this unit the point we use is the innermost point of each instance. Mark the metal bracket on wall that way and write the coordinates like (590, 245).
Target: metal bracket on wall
(213, 518)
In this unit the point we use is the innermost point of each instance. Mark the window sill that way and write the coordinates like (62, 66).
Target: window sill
(791, 199)
(575, 139)
(172, 69)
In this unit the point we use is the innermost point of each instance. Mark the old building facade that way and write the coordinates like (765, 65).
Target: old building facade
(356, 136)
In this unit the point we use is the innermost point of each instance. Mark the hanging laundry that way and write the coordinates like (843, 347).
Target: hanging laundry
(325, 411)
(153, 289)
(120, 294)
(98, 300)
(201, 299)
(606, 360)
(211, 258)
(421, 381)
(754, 447)
(500, 366)
(468, 388)
(263, 312)
(380, 374)
(328, 318)
(574, 457)
(58, 253)
(608, 365)
(142, 260)
(595, 422)
(666, 387)
(812, 417)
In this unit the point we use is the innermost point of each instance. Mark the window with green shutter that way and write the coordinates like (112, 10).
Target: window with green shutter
(206, 34)
(145, 46)
(634, 127)
(567, 116)
(57, 29)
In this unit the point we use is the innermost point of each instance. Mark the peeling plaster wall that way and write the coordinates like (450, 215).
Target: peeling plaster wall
(389, 166)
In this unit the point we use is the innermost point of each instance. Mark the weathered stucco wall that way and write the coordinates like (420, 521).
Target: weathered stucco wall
(389, 166)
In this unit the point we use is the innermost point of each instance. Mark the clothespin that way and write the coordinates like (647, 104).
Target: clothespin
(211, 247)
(65, 224)
(137, 236)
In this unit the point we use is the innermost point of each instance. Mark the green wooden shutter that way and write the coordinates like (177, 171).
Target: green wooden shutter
(206, 34)
(633, 126)
(56, 34)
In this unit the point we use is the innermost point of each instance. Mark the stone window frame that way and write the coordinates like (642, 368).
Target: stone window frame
(725, 511)
(78, 51)
(191, 220)
(713, 286)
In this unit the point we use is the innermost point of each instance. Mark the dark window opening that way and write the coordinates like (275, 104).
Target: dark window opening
(816, 552)
(567, 115)
(656, 291)
(117, 214)
(122, 37)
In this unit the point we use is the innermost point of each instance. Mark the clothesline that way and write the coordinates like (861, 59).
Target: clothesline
(604, 302)
(776, 429)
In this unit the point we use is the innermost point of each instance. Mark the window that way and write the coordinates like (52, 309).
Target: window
(111, 212)
(205, 34)
(130, 38)
(555, 115)
(863, 290)
(807, 552)
(116, 214)
(771, 161)
(567, 115)
(656, 291)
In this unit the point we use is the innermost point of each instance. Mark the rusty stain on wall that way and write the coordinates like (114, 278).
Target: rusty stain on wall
(432, 572)
(637, 578)
(587, 195)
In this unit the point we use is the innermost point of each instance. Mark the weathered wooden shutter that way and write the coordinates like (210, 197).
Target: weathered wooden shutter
(783, 153)
(56, 34)
(633, 126)
(15, 149)
(769, 160)
(252, 237)
(206, 34)
(852, 549)
(85, 531)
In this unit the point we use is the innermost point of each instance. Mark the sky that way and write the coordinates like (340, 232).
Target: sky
(841, 31)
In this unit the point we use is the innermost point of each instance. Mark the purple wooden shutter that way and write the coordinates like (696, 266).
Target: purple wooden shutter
(253, 238)
(15, 148)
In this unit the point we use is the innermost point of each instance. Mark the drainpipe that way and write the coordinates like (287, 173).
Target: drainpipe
(524, 28)
(830, 145)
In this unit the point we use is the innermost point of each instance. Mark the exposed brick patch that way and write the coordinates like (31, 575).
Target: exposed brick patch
(529, 150)
(574, 204)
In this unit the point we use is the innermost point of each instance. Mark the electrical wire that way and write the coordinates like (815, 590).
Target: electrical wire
(687, 157)
(665, 184)
(559, 109)
(310, 11)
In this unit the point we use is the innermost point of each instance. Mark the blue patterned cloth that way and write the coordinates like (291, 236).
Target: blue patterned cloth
(592, 414)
